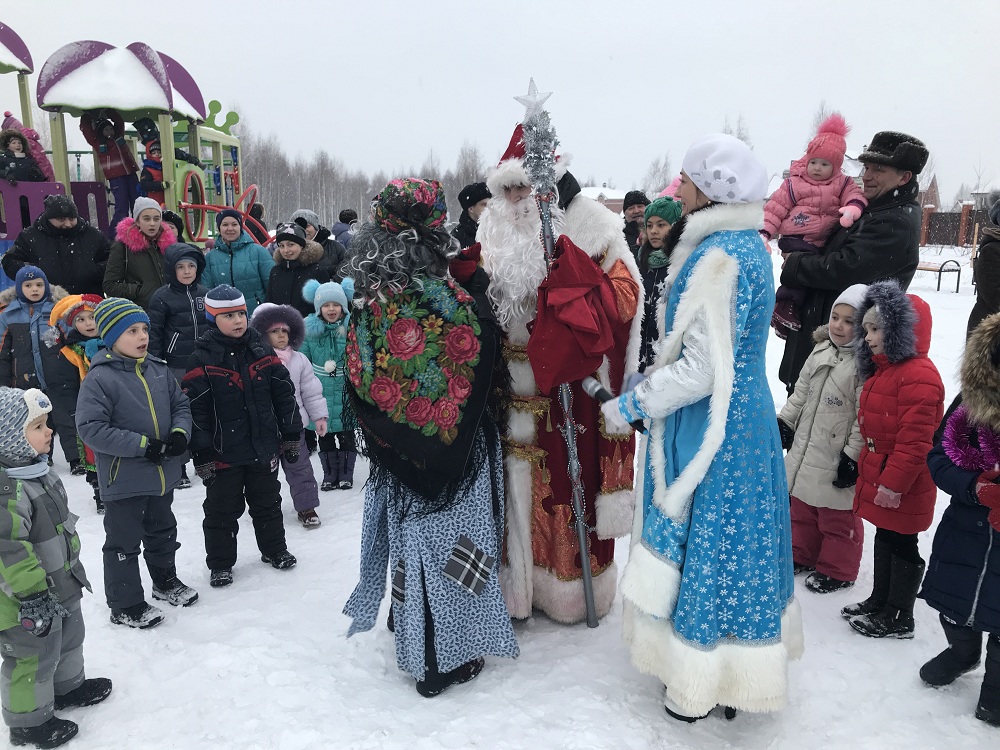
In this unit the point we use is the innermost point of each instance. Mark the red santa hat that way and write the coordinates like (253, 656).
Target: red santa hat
(830, 143)
(510, 170)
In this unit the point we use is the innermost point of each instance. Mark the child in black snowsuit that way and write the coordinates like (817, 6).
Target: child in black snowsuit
(244, 411)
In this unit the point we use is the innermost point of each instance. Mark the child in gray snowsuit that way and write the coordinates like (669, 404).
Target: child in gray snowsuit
(133, 415)
(41, 582)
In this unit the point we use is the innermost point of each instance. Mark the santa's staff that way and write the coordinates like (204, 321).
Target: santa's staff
(539, 163)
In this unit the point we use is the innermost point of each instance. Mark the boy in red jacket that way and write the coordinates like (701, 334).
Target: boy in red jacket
(901, 405)
(104, 130)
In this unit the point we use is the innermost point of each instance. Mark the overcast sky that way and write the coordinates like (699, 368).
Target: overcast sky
(380, 84)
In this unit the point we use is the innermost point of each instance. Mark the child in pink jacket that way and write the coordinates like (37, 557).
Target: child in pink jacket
(283, 328)
(807, 206)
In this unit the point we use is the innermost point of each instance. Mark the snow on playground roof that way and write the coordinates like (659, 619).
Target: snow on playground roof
(88, 75)
(14, 55)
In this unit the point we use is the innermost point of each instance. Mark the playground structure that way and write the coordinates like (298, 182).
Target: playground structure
(138, 82)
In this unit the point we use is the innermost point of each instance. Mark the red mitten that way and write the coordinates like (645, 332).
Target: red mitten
(988, 492)
(463, 265)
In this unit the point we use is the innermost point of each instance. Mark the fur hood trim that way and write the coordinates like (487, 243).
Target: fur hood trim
(718, 217)
(906, 325)
(8, 295)
(9, 133)
(267, 314)
(129, 234)
(311, 253)
(511, 173)
(980, 374)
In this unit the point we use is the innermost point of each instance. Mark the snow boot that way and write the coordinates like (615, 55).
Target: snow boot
(139, 616)
(438, 683)
(221, 577)
(309, 519)
(880, 588)
(798, 569)
(281, 561)
(896, 620)
(965, 646)
(819, 583)
(92, 691)
(98, 502)
(185, 482)
(347, 459)
(53, 733)
(674, 712)
(331, 470)
(167, 587)
(988, 709)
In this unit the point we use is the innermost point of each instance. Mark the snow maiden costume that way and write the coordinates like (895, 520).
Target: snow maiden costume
(420, 361)
(586, 316)
(709, 602)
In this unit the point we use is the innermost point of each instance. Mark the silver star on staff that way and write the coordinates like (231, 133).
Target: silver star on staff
(532, 101)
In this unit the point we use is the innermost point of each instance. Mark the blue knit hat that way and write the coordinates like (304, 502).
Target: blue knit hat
(17, 409)
(30, 273)
(115, 315)
(228, 213)
(319, 294)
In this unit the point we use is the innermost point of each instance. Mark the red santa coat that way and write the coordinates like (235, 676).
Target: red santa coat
(901, 406)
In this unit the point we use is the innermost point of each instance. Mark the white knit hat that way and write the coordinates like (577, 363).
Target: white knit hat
(725, 169)
(854, 296)
(142, 204)
(17, 409)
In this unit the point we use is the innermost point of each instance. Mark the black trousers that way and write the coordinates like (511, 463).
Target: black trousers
(62, 419)
(128, 522)
(901, 545)
(235, 489)
(345, 438)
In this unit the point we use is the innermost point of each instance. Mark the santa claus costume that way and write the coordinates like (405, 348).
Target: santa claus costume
(588, 323)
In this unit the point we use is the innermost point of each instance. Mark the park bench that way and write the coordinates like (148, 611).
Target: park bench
(948, 266)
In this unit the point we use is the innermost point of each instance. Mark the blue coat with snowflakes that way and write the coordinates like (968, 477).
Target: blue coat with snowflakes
(709, 597)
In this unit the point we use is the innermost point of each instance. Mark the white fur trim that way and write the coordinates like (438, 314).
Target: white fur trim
(516, 576)
(717, 218)
(710, 292)
(522, 378)
(746, 677)
(614, 514)
(563, 600)
(508, 173)
(649, 583)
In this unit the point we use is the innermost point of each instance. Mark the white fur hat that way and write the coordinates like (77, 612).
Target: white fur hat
(725, 169)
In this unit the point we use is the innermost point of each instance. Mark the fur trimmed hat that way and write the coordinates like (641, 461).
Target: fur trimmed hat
(830, 142)
(903, 318)
(268, 315)
(510, 170)
(223, 299)
(899, 150)
(725, 169)
(980, 373)
(470, 195)
(18, 409)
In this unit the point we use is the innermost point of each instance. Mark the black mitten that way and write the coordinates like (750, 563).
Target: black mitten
(787, 435)
(155, 449)
(847, 472)
(177, 444)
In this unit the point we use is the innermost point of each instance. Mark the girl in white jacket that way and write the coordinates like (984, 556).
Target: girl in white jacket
(819, 429)
(283, 328)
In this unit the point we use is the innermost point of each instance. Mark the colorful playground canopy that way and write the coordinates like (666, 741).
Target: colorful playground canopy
(14, 55)
(137, 81)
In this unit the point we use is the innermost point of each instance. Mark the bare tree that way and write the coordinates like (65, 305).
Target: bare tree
(741, 130)
(658, 176)
(926, 176)
(822, 112)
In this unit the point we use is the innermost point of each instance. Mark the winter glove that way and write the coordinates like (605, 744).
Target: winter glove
(847, 472)
(38, 611)
(463, 265)
(204, 467)
(988, 493)
(177, 443)
(613, 416)
(290, 450)
(886, 498)
(632, 381)
(787, 434)
(849, 215)
(321, 426)
(155, 450)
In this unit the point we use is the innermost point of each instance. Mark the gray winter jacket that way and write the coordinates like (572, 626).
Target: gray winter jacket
(123, 403)
(823, 411)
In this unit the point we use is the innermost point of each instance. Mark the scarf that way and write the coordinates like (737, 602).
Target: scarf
(958, 445)
(38, 468)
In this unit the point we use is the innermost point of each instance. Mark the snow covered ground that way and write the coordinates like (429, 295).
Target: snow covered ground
(265, 664)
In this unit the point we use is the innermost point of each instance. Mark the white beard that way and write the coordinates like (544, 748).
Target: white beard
(514, 257)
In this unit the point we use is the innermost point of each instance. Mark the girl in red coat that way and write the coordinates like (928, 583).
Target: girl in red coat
(900, 407)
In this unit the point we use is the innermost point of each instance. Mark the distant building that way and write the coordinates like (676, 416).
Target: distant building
(607, 197)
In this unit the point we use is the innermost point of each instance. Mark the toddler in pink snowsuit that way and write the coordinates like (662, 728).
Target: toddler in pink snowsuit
(807, 206)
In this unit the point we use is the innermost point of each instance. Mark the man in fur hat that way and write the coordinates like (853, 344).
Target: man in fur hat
(541, 565)
(883, 244)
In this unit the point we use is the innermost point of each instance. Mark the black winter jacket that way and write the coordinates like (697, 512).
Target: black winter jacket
(335, 255)
(284, 287)
(242, 400)
(652, 286)
(177, 311)
(20, 169)
(74, 259)
(883, 244)
(986, 273)
(465, 232)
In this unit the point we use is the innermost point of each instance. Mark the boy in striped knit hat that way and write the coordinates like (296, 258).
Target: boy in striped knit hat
(244, 413)
(133, 415)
